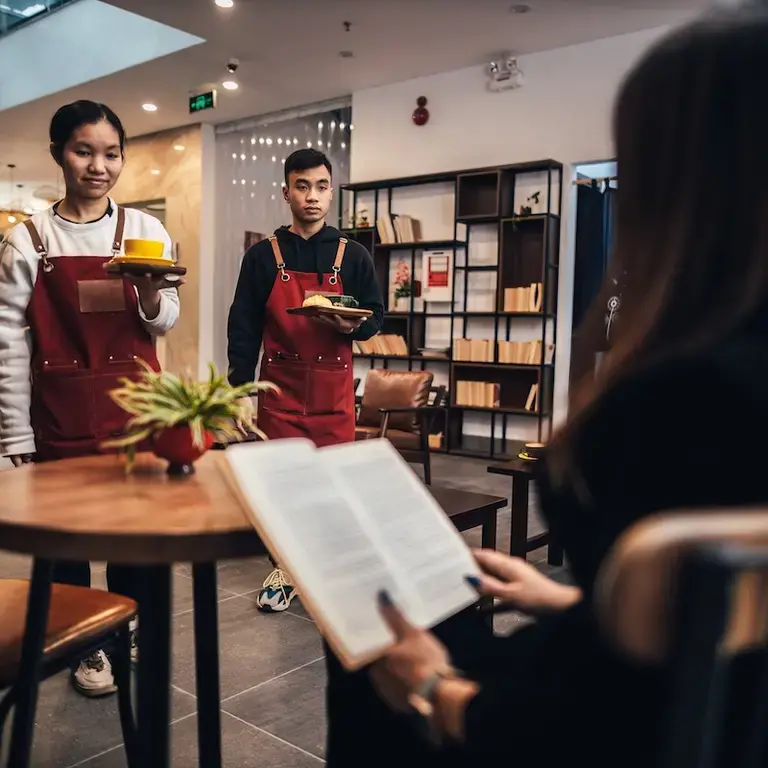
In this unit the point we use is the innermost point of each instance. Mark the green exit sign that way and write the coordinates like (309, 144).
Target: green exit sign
(203, 101)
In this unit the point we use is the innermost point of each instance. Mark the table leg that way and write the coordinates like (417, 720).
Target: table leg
(207, 665)
(154, 672)
(554, 552)
(488, 540)
(38, 603)
(518, 535)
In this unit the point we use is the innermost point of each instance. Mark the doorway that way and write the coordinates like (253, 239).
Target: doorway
(597, 188)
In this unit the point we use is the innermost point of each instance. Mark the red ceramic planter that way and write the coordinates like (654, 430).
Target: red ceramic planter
(178, 448)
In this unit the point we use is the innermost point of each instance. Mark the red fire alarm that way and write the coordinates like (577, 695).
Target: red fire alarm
(421, 113)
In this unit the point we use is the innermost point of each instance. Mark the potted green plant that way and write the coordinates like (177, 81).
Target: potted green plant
(180, 418)
(403, 288)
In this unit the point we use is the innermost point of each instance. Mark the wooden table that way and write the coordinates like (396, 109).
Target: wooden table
(520, 545)
(89, 509)
(470, 510)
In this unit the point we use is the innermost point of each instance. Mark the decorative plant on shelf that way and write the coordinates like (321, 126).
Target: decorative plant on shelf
(403, 282)
(533, 200)
(180, 417)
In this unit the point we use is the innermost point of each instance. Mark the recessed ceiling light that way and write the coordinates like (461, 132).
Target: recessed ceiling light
(225, 3)
(11, 219)
(519, 8)
(155, 172)
(179, 147)
(230, 85)
(149, 107)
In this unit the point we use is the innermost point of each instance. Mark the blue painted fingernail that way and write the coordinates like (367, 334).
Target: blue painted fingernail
(384, 598)
(473, 581)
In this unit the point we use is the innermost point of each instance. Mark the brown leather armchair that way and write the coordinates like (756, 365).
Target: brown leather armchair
(395, 405)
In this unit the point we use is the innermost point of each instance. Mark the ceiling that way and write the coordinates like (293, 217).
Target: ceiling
(289, 55)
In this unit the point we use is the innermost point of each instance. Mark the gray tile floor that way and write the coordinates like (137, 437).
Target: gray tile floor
(272, 671)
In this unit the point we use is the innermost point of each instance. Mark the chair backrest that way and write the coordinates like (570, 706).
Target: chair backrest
(690, 590)
(394, 389)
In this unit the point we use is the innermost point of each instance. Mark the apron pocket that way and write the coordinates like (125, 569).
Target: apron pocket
(109, 418)
(291, 377)
(329, 389)
(62, 404)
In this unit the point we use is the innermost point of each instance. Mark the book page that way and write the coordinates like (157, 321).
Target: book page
(347, 525)
(428, 556)
(317, 534)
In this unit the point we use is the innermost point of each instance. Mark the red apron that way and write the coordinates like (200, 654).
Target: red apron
(86, 335)
(311, 363)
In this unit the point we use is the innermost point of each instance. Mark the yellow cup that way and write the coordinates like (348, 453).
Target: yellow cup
(144, 249)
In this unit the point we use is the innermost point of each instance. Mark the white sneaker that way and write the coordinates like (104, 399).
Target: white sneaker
(277, 592)
(93, 676)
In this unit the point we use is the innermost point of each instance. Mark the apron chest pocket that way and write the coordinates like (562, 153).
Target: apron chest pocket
(291, 377)
(328, 389)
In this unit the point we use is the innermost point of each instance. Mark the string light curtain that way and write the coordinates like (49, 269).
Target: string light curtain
(249, 181)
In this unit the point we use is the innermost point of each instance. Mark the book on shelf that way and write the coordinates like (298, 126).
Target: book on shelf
(407, 229)
(478, 394)
(473, 350)
(398, 228)
(524, 299)
(382, 344)
(531, 403)
(347, 522)
(525, 352)
(385, 229)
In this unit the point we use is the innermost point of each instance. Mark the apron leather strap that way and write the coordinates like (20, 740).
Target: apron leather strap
(278, 258)
(337, 262)
(35, 235)
(117, 243)
(37, 242)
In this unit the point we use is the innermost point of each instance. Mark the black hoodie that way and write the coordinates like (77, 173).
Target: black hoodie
(257, 276)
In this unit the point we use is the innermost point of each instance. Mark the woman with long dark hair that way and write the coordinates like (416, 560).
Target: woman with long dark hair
(684, 380)
(69, 332)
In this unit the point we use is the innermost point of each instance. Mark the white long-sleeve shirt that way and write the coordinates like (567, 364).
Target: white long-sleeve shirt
(18, 272)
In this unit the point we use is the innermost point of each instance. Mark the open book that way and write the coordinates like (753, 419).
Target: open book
(347, 522)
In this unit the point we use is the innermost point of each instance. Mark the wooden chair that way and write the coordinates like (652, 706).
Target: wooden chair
(395, 405)
(691, 590)
(80, 621)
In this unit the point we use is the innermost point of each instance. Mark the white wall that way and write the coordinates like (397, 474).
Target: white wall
(563, 112)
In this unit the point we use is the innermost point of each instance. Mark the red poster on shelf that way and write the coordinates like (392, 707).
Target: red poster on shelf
(438, 274)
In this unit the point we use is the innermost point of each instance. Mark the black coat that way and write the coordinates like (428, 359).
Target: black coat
(687, 434)
(554, 693)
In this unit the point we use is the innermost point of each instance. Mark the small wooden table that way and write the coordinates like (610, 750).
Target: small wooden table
(520, 545)
(470, 510)
(89, 509)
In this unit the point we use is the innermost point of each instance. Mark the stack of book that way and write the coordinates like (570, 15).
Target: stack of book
(398, 229)
(382, 344)
(473, 350)
(478, 394)
(524, 299)
(525, 352)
